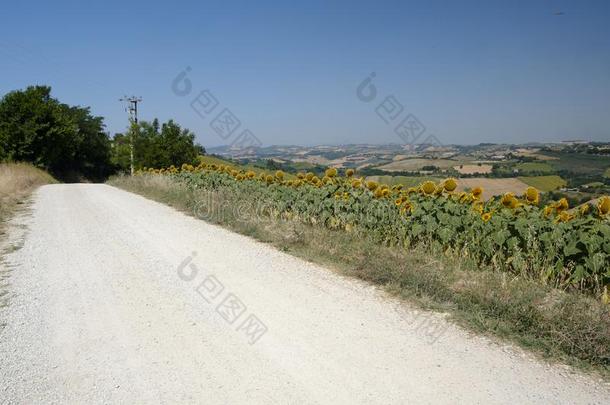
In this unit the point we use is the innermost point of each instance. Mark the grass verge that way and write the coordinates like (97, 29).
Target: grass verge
(17, 181)
(567, 327)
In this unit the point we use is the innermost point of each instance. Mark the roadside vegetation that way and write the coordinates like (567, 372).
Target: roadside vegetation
(535, 275)
(17, 181)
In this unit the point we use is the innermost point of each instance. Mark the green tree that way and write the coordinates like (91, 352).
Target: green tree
(67, 141)
(156, 146)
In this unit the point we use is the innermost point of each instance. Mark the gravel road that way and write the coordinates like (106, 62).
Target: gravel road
(108, 303)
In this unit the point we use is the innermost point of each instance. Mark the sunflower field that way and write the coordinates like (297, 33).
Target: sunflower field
(564, 247)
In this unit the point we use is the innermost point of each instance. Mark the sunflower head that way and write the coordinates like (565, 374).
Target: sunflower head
(564, 216)
(562, 205)
(372, 185)
(269, 179)
(332, 172)
(478, 207)
(584, 209)
(279, 175)
(300, 175)
(356, 183)
(349, 172)
(532, 196)
(486, 216)
(406, 208)
(428, 187)
(508, 200)
(309, 176)
(477, 192)
(250, 174)
(603, 206)
(378, 193)
(450, 184)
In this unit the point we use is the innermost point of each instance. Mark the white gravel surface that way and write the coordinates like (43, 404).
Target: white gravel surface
(99, 314)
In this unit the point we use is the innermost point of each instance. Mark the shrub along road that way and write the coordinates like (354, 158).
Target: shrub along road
(115, 298)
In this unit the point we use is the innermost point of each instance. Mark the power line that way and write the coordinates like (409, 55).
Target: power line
(132, 109)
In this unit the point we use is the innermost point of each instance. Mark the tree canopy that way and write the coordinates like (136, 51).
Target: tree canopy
(66, 140)
(155, 146)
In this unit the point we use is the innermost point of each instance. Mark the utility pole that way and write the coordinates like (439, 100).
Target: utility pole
(132, 109)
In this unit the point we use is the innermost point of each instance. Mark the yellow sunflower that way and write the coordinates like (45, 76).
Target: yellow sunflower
(349, 172)
(486, 216)
(532, 196)
(561, 205)
(450, 184)
(477, 192)
(332, 172)
(428, 187)
(478, 206)
(508, 200)
(584, 209)
(564, 216)
(406, 208)
(603, 206)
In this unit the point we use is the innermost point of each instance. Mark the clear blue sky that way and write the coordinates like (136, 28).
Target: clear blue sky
(471, 71)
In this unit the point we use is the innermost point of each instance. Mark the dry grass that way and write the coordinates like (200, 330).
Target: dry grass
(17, 181)
(569, 327)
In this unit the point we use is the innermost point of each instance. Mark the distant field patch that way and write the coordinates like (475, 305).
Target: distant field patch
(544, 183)
(411, 165)
(407, 181)
(213, 160)
(493, 187)
(542, 167)
(473, 169)
(607, 172)
(580, 163)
